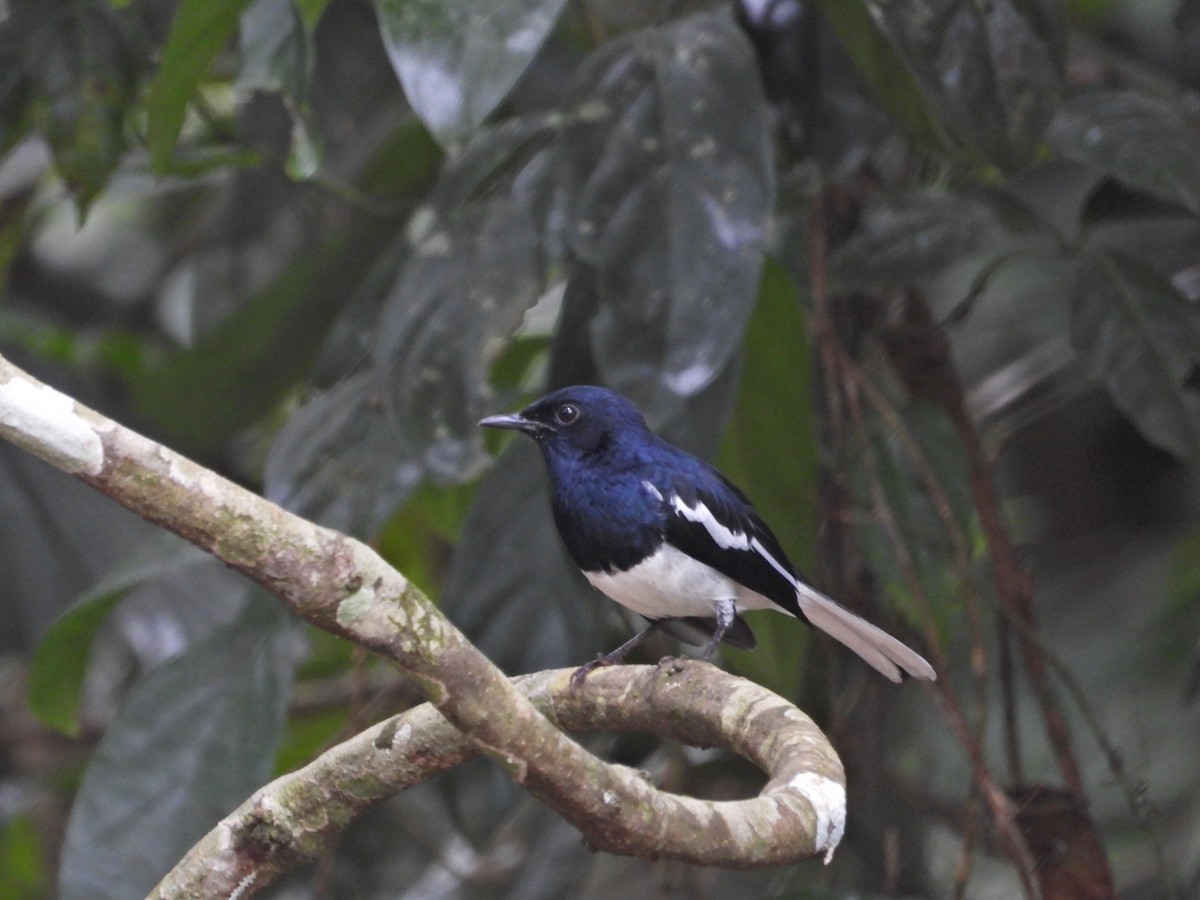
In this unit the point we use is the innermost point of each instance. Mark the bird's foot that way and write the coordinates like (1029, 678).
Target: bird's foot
(578, 676)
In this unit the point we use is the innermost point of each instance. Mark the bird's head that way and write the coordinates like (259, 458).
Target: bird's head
(582, 418)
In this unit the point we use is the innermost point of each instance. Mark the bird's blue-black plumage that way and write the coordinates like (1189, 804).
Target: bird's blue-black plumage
(650, 524)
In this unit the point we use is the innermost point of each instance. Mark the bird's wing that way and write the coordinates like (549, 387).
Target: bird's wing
(716, 525)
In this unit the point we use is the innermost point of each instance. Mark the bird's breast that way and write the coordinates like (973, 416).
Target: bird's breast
(607, 525)
(666, 584)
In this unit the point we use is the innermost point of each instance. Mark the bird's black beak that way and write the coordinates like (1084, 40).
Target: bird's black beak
(516, 422)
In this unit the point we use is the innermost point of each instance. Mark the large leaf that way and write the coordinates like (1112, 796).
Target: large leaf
(992, 72)
(1140, 140)
(194, 739)
(425, 329)
(237, 372)
(457, 59)
(476, 261)
(1138, 335)
(669, 180)
(200, 30)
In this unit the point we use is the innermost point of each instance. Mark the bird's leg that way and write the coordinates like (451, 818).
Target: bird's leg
(726, 612)
(612, 657)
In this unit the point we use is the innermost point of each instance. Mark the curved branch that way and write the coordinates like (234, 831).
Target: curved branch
(296, 818)
(344, 587)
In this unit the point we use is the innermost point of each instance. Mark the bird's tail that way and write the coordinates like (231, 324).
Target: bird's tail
(880, 650)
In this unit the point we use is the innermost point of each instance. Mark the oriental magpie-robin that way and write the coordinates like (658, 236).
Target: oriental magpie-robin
(668, 536)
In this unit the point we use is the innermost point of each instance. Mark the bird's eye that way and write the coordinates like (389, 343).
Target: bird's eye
(566, 414)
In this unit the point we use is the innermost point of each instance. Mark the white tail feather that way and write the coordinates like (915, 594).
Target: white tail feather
(878, 648)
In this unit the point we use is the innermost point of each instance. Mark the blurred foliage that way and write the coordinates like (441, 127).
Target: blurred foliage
(312, 242)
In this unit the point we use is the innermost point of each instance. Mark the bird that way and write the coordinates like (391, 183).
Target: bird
(665, 534)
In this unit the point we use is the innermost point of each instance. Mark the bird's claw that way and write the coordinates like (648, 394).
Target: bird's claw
(578, 676)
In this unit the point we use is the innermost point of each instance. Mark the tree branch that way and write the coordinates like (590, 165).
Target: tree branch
(344, 587)
(296, 818)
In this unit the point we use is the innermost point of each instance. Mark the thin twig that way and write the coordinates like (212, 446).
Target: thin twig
(841, 398)
(921, 353)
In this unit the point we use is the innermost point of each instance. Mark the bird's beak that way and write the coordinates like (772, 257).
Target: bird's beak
(515, 422)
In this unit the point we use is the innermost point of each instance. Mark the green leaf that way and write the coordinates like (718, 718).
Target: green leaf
(669, 180)
(1143, 142)
(1141, 338)
(770, 452)
(194, 738)
(992, 72)
(57, 671)
(457, 59)
(23, 864)
(200, 31)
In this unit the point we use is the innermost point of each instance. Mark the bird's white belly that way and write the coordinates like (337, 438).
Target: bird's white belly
(671, 584)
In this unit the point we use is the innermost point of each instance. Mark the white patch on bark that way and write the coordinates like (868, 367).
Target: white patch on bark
(828, 800)
(48, 418)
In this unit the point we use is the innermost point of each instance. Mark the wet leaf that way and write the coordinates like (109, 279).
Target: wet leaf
(238, 371)
(58, 537)
(669, 182)
(476, 260)
(457, 59)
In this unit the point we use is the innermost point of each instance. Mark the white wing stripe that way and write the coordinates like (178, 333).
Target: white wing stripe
(724, 537)
(762, 551)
